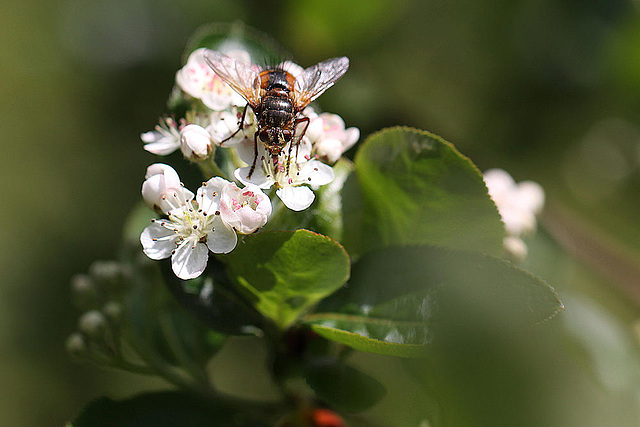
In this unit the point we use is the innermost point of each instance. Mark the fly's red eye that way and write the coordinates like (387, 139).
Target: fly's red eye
(287, 135)
(264, 135)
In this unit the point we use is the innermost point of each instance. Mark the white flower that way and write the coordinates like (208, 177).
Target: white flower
(290, 174)
(197, 79)
(162, 189)
(518, 205)
(224, 124)
(515, 247)
(328, 135)
(195, 142)
(164, 140)
(246, 209)
(192, 229)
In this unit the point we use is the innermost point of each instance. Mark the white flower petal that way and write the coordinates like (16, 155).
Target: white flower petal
(351, 136)
(195, 142)
(258, 178)
(163, 169)
(296, 198)
(498, 182)
(515, 247)
(246, 210)
(208, 196)
(157, 241)
(216, 101)
(320, 173)
(222, 239)
(330, 149)
(162, 188)
(162, 147)
(246, 151)
(531, 196)
(189, 260)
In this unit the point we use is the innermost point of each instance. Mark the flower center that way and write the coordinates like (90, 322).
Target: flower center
(248, 199)
(189, 224)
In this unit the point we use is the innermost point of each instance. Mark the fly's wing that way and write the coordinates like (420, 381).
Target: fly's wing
(313, 81)
(240, 76)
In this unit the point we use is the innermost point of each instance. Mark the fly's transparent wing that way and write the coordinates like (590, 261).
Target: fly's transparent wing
(313, 81)
(240, 76)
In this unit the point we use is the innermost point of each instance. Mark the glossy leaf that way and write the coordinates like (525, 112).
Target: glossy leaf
(284, 273)
(342, 386)
(413, 187)
(401, 300)
(163, 409)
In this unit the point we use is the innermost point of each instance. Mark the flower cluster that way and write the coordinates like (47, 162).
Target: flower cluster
(518, 205)
(220, 119)
(196, 225)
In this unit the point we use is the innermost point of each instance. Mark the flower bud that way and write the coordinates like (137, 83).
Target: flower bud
(113, 310)
(195, 142)
(109, 275)
(162, 189)
(84, 291)
(93, 324)
(246, 209)
(329, 137)
(76, 345)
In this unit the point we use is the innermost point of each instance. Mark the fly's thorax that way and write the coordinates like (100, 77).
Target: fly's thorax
(276, 78)
(276, 111)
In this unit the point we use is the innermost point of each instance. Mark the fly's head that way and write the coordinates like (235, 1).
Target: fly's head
(275, 139)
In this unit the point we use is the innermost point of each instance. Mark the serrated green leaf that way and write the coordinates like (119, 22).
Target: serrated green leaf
(163, 409)
(285, 273)
(400, 300)
(413, 187)
(359, 340)
(342, 386)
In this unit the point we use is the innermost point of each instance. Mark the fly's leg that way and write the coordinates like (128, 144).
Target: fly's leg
(306, 122)
(240, 126)
(255, 155)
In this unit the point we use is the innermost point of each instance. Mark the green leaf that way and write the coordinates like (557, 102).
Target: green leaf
(212, 300)
(341, 331)
(285, 273)
(413, 187)
(163, 409)
(401, 300)
(342, 386)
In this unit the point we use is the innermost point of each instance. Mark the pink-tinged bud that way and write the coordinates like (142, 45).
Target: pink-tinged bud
(246, 210)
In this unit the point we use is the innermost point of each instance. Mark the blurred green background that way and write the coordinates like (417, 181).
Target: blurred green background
(546, 89)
